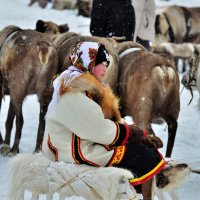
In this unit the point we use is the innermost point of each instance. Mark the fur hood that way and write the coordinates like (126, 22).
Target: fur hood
(101, 94)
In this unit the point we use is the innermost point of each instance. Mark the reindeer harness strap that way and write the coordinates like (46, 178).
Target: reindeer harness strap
(2, 41)
(170, 30)
(9, 35)
(122, 54)
(187, 21)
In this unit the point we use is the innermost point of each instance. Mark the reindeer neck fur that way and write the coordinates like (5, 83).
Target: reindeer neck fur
(99, 93)
(127, 45)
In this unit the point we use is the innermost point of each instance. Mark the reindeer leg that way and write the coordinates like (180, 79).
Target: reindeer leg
(9, 123)
(1, 139)
(172, 127)
(176, 63)
(147, 190)
(40, 134)
(1, 96)
(5, 149)
(184, 65)
(18, 133)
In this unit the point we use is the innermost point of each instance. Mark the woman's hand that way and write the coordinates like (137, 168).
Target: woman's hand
(152, 141)
(136, 134)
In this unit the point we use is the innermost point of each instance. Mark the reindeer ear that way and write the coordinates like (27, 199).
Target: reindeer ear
(63, 28)
(40, 26)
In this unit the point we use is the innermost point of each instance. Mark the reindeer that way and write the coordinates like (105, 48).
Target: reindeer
(28, 61)
(148, 87)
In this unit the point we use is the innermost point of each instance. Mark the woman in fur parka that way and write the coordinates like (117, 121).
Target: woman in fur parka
(83, 123)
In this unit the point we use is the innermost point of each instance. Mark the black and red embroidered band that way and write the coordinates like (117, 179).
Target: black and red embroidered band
(77, 154)
(122, 135)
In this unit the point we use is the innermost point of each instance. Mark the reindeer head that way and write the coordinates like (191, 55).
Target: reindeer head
(172, 176)
(189, 79)
(51, 27)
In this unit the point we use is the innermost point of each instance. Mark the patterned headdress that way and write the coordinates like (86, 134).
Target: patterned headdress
(85, 55)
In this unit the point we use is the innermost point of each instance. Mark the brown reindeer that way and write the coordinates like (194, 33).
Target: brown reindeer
(28, 61)
(148, 88)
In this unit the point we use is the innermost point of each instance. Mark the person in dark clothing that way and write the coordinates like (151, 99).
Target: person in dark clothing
(113, 18)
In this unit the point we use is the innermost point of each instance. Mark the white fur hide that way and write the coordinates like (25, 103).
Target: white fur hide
(39, 175)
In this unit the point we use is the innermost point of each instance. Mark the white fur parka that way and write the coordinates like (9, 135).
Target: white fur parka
(77, 130)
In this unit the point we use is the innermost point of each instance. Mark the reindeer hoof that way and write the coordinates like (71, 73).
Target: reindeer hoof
(4, 149)
(37, 151)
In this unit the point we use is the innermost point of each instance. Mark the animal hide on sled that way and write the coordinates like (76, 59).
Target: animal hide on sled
(37, 174)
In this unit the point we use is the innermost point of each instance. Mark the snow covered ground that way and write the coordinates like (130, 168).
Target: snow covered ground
(187, 144)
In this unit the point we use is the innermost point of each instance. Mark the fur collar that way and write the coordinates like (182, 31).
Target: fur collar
(99, 93)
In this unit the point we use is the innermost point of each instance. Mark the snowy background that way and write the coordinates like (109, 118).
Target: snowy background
(187, 144)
